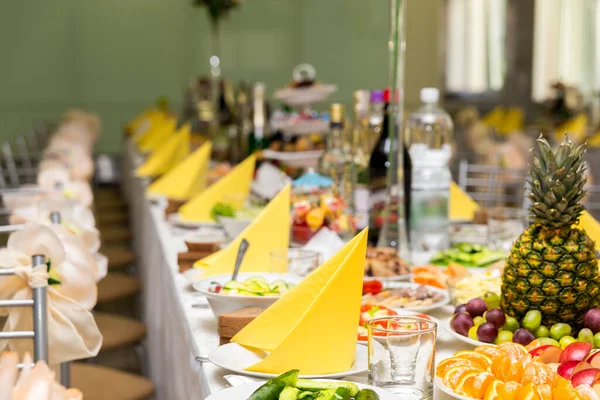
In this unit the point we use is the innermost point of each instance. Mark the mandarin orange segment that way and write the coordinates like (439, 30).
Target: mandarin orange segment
(538, 373)
(509, 391)
(491, 351)
(564, 390)
(501, 366)
(493, 389)
(514, 350)
(477, 387)
(482, 360)
(533, 345)
(586, 392)
(449, 363)
(528, 392)
(544, 391)
(517, 369)
(465, 384)
(455, 375)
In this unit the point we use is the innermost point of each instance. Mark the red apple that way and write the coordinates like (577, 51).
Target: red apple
(587, 377)
(577, 351)
(551, 355)
(594, 356)
(566, 369)
(539, 350)
(581, 366)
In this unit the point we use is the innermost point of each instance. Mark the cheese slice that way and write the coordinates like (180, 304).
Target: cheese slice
(167, 156)
(188, 178)
(237, 181)
(462, 206)
(269, 231)
(156, 136)
(313, 326)
(590, 226)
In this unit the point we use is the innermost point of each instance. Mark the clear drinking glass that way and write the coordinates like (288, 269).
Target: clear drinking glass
(504, 227)
(407, 367)
(294, 261)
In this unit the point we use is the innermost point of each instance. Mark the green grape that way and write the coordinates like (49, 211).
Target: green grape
(541, 332)
(566, 340)
(557, 331)
(597, 340)
(532, 320)
(473, 333)
(504, 337)
(511, 324)
(586, 335)
(478, 321)
(492, 300)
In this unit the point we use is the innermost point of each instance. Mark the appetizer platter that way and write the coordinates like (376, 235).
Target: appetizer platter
(288, 386)
(409, 296)
(384, 264)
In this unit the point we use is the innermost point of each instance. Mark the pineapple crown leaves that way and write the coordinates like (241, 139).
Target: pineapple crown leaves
(557, 180)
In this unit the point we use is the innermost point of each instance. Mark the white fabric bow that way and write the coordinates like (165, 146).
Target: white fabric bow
(72, 330)
(33, 383)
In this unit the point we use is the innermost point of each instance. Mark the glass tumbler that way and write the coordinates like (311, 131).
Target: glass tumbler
(294, 261)
(407, 366)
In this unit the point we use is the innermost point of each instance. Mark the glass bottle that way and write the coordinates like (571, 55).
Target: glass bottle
(429, 140)
(258, 139)
(376, 109)
(360, 156)
(336, 162)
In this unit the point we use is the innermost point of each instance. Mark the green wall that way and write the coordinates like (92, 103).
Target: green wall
(115, 57)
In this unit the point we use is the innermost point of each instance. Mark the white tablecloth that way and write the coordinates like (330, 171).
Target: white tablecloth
(178, 332)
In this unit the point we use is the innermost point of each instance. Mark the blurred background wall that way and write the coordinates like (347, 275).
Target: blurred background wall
(115, 57)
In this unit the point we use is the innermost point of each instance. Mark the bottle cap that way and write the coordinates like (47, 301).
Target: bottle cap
(430, 95)
(387, 95)
(377, 96)
(336, 113)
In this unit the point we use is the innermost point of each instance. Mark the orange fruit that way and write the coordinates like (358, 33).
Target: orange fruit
(564, 390)
(466, 382)
(517, 369)
(452, 362)
(538, 373)
(514, 350)
(533, 345)
(493, 389)
(455, 376)
(477, 386)
(491, 351)
(586, 392)
(482, 360)
(509, 391)
(501, 366)
(544, 390)
(528, 392)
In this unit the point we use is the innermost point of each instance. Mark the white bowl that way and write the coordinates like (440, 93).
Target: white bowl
(234, 226)
(225, 303)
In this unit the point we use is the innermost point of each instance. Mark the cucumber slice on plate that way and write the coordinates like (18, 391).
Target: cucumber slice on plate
(234, 285)
(256, 279)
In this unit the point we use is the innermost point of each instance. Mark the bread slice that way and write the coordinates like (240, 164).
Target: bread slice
(231, 323)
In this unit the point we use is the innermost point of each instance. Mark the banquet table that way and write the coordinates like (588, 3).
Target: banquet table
(177, 332)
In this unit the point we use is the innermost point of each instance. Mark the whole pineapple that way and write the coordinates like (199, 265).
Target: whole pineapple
(552, 267)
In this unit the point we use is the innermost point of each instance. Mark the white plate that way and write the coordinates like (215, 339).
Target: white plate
(465, 339)
(224, 303)
(400, 285)
(395, 278)
(236, 358)
(176, 220)
(242, 392)
(440, 385)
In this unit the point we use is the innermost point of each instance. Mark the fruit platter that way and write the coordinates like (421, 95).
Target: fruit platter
(548, 298)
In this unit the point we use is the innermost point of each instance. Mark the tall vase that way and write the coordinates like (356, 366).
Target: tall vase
(394, 231)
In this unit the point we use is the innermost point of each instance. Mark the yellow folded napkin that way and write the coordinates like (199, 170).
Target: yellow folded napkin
(187, 179)
(269, 231)
(594, 141)
(236, 182)
(512, 122)
(575, 128)
(171, 153)
(462, 206)
(313, 326)
(156, 136)
(591, 227)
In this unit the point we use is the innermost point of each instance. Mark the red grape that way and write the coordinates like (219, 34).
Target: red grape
(476, 307)
(591, 320)
(487, 332)
(461, 323)
(523, 336)
(495, 316)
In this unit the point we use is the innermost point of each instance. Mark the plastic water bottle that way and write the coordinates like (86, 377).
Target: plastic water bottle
(429, 142)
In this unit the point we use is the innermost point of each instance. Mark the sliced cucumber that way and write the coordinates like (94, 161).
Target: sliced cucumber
(256, 279)
(234, 285)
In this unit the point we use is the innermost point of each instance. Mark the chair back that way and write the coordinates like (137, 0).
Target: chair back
(491, 185)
